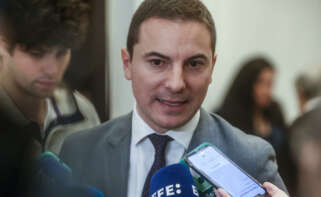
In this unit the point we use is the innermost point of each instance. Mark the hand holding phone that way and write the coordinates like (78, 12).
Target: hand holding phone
(221, 172)
(271, 189)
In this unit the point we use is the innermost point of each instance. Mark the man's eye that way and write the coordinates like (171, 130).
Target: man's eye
(62, 52)
(36, 53)
(156, 62)
(195, 64)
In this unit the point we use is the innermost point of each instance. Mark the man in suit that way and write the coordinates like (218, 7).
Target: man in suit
(169, 58)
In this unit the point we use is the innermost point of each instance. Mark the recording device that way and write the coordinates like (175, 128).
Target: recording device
(174, 181)
(53, 178)
(218, 170)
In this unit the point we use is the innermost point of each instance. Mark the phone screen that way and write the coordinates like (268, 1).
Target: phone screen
(223, 173)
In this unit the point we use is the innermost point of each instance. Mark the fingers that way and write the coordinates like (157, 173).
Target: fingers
(221, 193)
(271, 189)
(274, 191)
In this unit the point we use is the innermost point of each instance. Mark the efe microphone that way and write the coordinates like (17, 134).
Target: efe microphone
(173, 181)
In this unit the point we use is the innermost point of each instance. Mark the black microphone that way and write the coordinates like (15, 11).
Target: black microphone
(50, 174)
(78, 191)
(52, 178)
(173, 181)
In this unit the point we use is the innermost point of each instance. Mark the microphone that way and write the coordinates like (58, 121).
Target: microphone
(173, 181)
(79, 191)
(53, 178)
(50, 175)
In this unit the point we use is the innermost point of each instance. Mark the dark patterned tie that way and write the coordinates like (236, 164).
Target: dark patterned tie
(159, 142)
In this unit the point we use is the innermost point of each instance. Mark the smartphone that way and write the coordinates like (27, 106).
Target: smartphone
(216, 168)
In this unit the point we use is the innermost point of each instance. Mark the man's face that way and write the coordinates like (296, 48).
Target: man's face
(36, 72)
(170, 70)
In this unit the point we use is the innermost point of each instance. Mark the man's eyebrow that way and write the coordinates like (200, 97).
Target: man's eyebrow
(200, 55)
(153, 53)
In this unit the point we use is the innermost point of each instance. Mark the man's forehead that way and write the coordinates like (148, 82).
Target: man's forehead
(157, 21)
(161, 29)
(42, 48)
(169, 35)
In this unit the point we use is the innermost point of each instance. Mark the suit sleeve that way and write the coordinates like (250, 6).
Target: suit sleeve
(268, 169)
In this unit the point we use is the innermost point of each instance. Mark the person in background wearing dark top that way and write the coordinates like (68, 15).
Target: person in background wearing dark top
(249, 105)
(36, 38)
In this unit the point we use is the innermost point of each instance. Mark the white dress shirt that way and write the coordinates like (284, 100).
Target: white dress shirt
(142, 150)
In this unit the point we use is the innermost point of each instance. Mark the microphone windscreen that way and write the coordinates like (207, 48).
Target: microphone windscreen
(81, 191)
(49, 170)
(174, 181)
(53, 178)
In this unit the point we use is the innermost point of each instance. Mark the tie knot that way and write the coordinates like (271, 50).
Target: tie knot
(159, 141)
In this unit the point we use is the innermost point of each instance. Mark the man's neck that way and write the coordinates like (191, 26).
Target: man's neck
(33, 108)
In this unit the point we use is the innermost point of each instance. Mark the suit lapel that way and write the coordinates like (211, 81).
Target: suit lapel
(117, 152)
(206, 131)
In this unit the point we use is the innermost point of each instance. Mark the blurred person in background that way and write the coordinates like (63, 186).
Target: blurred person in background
(36, 113)
(294, 170)
(305, 143)
(249, 105)
(308, 87)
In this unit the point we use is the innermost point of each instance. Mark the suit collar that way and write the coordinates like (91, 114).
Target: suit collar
(116, 151)
(206, 131)
(118, 148)
(120, 132)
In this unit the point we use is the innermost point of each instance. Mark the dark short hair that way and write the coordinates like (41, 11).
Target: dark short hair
(36, 24)
(193, 10)
(308, 82)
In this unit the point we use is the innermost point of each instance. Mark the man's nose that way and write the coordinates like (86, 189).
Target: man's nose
(50, 64)
(176, 80)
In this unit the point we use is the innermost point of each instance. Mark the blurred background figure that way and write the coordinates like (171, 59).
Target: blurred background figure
(305, 144)
(300, 155)
(36, 111)
(308, 88)
(249, 105)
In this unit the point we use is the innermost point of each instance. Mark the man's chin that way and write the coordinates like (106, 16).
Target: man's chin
(172, 124)
(43, 94)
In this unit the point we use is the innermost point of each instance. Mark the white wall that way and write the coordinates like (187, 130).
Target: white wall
(119, 13)
(285, 31)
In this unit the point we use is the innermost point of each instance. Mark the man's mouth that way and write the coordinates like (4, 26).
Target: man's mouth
(172, 103)
(47, 83)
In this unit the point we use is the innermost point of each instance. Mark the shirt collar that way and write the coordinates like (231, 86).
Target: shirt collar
(182, 135)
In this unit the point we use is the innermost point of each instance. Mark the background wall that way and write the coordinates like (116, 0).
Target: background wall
(286, 31)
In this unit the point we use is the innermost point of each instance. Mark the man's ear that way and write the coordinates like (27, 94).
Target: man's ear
(214, 60)
(126, 63)
(213, 65)
(4, 53)
(4, 49)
